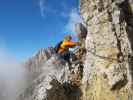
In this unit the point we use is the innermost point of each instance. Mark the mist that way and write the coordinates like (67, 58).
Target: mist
(12, 76)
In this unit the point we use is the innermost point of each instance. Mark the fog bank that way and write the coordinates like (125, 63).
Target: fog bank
(12, 76)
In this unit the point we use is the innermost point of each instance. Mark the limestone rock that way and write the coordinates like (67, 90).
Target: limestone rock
(34, 64)
(109, 47)
(81, 29)
(53, 81)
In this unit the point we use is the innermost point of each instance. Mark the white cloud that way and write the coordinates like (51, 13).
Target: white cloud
(74, 18)
(42, 7)
(65, 12)
(12, 78)
(46, 8)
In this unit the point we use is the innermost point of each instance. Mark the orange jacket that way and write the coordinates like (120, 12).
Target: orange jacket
(66, 45)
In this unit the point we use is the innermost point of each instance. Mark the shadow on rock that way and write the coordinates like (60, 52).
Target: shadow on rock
(63, 91)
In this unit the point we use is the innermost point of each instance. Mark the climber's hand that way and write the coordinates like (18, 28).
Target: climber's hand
(78, 43)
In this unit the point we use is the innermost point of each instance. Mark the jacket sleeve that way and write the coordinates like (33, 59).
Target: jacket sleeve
(69, 44)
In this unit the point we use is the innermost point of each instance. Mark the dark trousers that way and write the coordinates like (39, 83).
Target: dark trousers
(66, 56)
(69, 57)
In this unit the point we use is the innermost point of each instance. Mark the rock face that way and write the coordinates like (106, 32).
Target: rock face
(51, 78)
(34, 64)
(108, 70)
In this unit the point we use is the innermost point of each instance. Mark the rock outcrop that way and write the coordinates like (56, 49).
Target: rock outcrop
(34, 64)
(108, 70)
(51, 78)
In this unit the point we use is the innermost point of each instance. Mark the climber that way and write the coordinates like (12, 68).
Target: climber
(62, 48)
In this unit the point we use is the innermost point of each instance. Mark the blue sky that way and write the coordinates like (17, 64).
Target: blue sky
(28, 25)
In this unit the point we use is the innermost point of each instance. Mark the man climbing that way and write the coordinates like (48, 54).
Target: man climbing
(63, 48)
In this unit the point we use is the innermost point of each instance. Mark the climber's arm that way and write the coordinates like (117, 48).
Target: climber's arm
(70, 44)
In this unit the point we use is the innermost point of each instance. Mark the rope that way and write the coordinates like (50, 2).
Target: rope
(102, 57)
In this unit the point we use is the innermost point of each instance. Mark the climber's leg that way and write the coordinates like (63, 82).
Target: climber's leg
(72, 57)
(66, 57)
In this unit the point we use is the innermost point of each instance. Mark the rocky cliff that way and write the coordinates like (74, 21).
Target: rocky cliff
(50, 78)
(34, 64)
(106, 73)
(108, 70)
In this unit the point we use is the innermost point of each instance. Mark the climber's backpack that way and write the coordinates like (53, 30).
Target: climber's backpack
(57, 47)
